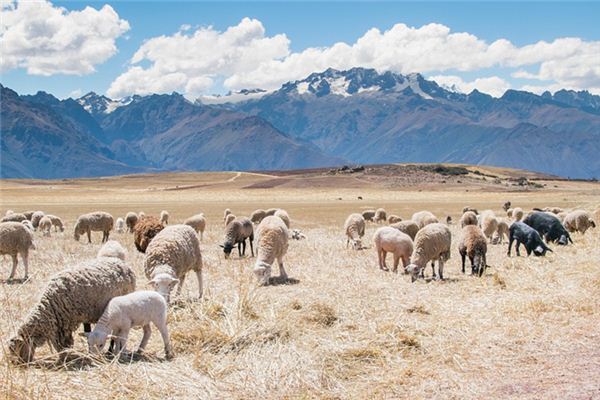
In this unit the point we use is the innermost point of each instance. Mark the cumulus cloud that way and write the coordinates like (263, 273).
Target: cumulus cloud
(493, 85)
(48, 40)
(243, 56)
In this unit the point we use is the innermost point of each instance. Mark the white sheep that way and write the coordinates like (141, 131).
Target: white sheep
(198, 222)
(502, 231)
(509, 212)
(284, 217)
(112, 248)
(409, 227)
(36, 217)
(432, 243)
(578, 221)
(229, 218)
(164, 217)
(392, 219)
(468, 218)
(354, 228)
(226, 213)
(95, 221)
(16, 239)
(489, 224)
(272, 237)
(73, 297)
(257, 216)
(8, 212)
(14, 217)
(45, 225)
(380, 216)
(141, 214)
(57, 223)
(171, 254)
(423, 218)
(27, 223)
(517, 213)
(131, 219)
(120, 225)
(392, 240)
(271, 211)
(137, 309)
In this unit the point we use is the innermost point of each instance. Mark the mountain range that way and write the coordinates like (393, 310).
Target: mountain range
(328, 118)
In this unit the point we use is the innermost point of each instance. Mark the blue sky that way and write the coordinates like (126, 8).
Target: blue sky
(321, 25)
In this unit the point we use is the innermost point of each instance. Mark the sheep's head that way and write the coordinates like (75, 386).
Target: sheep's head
(357, 244)
(262, 271)
(541, 250)
(77, 232)
(96, 341)
(413, 270)
(21, 350)
(563, 241)
(164, 283)
(227, 248)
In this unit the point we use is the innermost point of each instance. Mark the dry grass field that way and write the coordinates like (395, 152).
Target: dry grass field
(341, 329)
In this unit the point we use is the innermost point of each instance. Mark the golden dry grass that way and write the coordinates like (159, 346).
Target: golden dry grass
(529, 328)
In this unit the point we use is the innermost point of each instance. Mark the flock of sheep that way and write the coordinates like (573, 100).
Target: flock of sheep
(102, 291)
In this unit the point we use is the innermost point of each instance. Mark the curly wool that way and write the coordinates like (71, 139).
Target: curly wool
(272, 237)
(423, 218)
(144, 231)
(257, 216)
(96, 221)
(284, 217)
(473, 244)
(409, 227)
(578, 221)
(176, 246)
(432, 243)
(14, 217)
(131, 219)
(354, 227)
(468, 218)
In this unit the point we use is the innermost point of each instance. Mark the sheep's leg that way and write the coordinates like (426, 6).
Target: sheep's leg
(517, 248)
(244, 247)
(201, 235)
(199, 277)
(145, 338)
(396, 262)
(25, 258)
(347, 241)
(510, 243)
(162, 328)
(463, 256)
(89, 235)
(441, 269)
(251, 246)
(14, 267)
(380, 258)
(472, 260)
(180, 285)
(282, 273)
(433, 269)
(240, 253)
(87, 327)
(405, 262)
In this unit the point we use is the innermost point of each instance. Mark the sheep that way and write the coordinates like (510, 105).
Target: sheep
(96, 221)
(409, 227)
(549, 227)
(229, 218)
(468, 218)
(354, 227)
(27, 224)
(501, 231)
(296, 234)
(368, 215)
(8, 212)
(284, 217)
(16, 239)
(517, 213)
(112, 248)
(380, 215)
(141, 215)
(553, 210)
(164, 217)
(226, 213)
(423, 218)
(198, 222)
(579, 221)
(137, 309)
(388, 239)
(14, 217)
(392, 219)
(432, 243)
(172, 253)
(57, 223)
(36, 217)
(271, 211)
(120, 225)
(562, 215)
(448, 220)
(272, 244)
(73, 296)
(29, 214)
(144, 231)
(237, 232)
(131, 219)
(506, 206)
(509, 213)
(489, 224)
(45, 225)
(529, 237)
(468, 208)
(473, 244)
(257, 216)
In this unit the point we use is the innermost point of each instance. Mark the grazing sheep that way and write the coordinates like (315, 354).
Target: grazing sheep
(198, 222)
(120, 225)
(354, 227)
(74, 296)
(529, 237)
(473, 245)
(368, 215)
(509, 213)
(448, 220)
(489, 224)
(296, 234)
(423, 218)
(29, 214)
(131, 219)
(271, 211)
(229, 218)
(144, 231)
(391, 240)
(257, 216)
(432, 243)
(96, 221)
(237, 232)
(579, 221)
(28, 224)
(15, 239)
(8, 212)
(468, 218)
(506, 206)
(57, 223)
(553, 210)
(36, 217)
(517, 213)
(501, 231)
(392, 219)
(164, 217)
(561, 216)
(549, 227)
(468, 208)
(380, 215)
(14, 217)
(112, 248)
(272, 244)
(137, 309)
(409, 227)
(141, 215)
(45, 225)
(284, 217)
(226, 213)
(172, 253)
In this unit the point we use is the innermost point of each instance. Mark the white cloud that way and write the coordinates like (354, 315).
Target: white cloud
(74, 94)
(244, 57)
(48, 40)
(492, 85)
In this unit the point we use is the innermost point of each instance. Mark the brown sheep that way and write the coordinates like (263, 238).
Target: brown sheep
(473, 245)
(144, 231)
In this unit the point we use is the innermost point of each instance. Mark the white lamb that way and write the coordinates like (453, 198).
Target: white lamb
(112, 248)
(125, 312)
(354, 227)
(272, 237)
(120, 225)
(164, 217)
(390, 240)
(423, 218)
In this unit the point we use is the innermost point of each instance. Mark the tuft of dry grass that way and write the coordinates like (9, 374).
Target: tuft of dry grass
(320, 314)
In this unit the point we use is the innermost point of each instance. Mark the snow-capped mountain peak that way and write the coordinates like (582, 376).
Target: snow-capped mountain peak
(98, 104)
(232, 97)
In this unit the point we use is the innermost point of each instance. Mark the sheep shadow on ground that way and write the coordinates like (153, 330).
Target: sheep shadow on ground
(18, 281)
(277, 281)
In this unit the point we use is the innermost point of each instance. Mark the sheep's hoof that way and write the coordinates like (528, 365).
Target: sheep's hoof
(169, 356)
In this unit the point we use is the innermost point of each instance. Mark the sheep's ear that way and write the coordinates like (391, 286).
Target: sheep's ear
(84, 334)
(221, 246)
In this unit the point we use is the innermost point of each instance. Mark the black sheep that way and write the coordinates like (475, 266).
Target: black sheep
(527, 236)
(549, 227)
